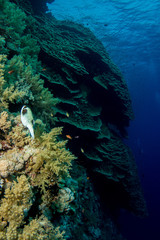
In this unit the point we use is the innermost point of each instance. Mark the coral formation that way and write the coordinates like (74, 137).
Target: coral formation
(20, 82)
(50, 193)
(51, 161)
(14, 207)
(94, 103)
(63, 200)
(17, 200)
(41, 228)
(38, 165)
(24, 166)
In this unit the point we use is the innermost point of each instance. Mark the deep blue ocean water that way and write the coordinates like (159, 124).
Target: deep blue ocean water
(130, 32)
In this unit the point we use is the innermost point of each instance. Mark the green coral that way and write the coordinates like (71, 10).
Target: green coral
(2, 44)
(15, 24)
(3, 57)
(20, 81)
(25, 86)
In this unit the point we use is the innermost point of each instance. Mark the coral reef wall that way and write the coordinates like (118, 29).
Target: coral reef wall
(64, 74)
(94, 106)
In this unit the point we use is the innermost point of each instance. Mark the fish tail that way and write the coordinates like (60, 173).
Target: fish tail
(30, 127)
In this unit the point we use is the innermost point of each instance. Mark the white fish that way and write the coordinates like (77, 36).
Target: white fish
(27, 119)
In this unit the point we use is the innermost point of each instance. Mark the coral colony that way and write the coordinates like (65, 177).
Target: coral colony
(55, 170)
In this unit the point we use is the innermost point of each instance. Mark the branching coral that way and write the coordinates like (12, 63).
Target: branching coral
(29, 86)
(20, 81)
(13, 209)
(8, 93)
(16, 201)
(41, 163)
(14, 145)
(5, 123)
(2, 45)
(23, 86)
(41, 229)
(2, 80)
(52, 161)
(46, 157)
(15, 23)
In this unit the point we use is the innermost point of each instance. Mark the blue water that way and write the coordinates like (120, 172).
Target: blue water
(130, 31)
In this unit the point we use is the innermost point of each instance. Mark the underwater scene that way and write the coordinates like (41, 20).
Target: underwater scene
(79, 119)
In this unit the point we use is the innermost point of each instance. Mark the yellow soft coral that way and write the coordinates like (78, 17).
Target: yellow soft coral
(16, 201)
(5, 124)
(52, 161)
(41, 229)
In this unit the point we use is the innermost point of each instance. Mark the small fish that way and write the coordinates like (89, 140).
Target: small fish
(10, 72)
(82, 150)
(76, 137)
(67, 114)
(27, 119)
(44, 69)
(69, 137)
